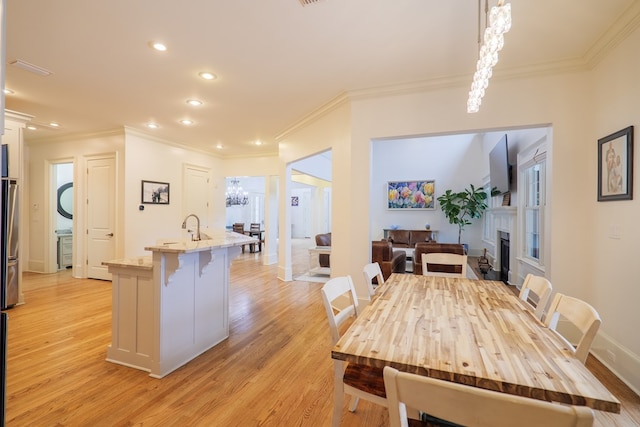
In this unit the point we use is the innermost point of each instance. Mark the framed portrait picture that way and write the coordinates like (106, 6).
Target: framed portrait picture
(615, 166)
(155, 193)
(294, 200)
(408, 195)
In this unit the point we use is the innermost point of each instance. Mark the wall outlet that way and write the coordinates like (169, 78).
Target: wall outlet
(611, 355)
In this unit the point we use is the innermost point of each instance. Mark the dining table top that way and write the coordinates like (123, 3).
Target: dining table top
(474, 332)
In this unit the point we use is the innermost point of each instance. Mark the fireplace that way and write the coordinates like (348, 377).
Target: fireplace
(504, 256)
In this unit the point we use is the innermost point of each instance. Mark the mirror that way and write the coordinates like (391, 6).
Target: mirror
(65, 200)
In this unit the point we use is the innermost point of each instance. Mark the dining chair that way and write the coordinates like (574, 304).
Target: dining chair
(540, 287)
(582, 315)
(373, 271)
(444, 259)
(358, 381)
(470, 406)
(254, 231)
(238, 227)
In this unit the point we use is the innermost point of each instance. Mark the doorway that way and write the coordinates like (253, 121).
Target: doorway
(61, 216)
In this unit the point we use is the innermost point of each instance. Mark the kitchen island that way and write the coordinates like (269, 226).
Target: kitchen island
(171, 306)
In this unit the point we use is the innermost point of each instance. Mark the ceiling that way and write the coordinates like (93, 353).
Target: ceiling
(276, 61)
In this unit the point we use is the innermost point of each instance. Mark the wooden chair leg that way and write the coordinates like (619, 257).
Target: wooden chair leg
(338, 393)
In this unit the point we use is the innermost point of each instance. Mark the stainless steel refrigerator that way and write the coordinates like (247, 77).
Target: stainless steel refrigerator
(8, 266)
(9, 251)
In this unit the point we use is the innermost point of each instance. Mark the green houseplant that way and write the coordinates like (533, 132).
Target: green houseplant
(460, 208)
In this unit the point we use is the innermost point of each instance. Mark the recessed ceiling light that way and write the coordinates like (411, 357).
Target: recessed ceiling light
(54, 124)
(219, 146)
(158, 46)
(153, 125)
(207, 75)
(258, 142)
(32, 127)
(194, 102)
(186, 122)
(8, 91)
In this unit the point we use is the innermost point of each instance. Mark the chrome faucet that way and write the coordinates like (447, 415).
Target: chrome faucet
(184, 225)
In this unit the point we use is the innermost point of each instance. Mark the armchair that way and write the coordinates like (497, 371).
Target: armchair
(323, 240)
(390, 261)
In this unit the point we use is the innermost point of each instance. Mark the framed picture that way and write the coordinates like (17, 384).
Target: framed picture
(409, 195)
(155, 193)
(294, 200)
(615, 166)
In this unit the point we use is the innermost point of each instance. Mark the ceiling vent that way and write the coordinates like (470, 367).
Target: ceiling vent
(19, 63)
(309, 2)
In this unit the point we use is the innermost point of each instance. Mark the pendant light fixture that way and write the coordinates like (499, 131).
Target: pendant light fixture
(499, 24)
(235, 195)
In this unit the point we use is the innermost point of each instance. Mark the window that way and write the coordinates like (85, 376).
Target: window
(534, 203)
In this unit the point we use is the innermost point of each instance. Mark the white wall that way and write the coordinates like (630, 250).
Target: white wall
(613, 285)
(452, 161)
(329, 129)
(153, 160)
(41, 156)
(581, 107)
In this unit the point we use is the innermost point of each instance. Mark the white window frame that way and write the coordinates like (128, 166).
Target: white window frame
(538, 159)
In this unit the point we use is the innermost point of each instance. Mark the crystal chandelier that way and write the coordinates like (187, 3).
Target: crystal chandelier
(499, 24)
(235, 195)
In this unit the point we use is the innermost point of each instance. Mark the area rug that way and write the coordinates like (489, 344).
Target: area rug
(312, 278)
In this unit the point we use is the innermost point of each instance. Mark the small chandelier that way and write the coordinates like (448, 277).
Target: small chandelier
(499, 24)
(235, 195)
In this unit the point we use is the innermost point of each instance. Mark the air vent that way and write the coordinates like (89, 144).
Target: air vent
(19, 63)
(309, 2)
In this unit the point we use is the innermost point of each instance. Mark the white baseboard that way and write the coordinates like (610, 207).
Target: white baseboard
(36, 266)
(621, 361)
(618, 359)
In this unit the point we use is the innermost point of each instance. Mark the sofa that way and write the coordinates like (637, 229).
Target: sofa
(408, 238)
(424, 247)
(323, 240)
(390, 261)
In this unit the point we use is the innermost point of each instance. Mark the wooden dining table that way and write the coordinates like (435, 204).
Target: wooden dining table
(473, 332)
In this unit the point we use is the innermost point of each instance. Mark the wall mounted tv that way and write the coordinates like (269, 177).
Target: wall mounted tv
(499, 168)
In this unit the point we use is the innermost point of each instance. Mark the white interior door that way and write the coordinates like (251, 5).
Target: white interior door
(197, 194)
(100, 216)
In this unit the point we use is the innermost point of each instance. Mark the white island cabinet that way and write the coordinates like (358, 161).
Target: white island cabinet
(170, 307)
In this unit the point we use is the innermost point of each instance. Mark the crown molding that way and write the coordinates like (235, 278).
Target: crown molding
(15, 115)
(74, 137)
(627, 23)
(324, 109)
(142, 134)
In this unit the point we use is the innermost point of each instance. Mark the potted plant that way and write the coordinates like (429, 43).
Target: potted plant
(460, 208)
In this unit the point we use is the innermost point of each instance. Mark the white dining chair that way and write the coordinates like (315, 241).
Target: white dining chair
(540, 287)
(373, 271)
(443, 259)
(358, 381)
(582, 315)
(472, 406)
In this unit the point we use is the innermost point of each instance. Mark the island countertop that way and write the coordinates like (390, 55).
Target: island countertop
(210, 239)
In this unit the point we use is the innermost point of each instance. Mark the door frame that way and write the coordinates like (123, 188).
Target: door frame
(51, 202)
(83, 245)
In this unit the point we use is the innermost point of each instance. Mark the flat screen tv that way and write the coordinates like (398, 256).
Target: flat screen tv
(499, 168)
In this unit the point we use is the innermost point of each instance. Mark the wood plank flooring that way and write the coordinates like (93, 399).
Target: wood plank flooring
(274, 370)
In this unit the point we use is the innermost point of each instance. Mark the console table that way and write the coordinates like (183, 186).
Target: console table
(434, 233)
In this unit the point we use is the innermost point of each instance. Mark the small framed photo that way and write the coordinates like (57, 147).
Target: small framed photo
(294, 200)
(409, 195)
(155, 193)
(615, 166)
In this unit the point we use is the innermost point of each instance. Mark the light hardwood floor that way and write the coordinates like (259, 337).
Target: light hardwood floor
(274, 370)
